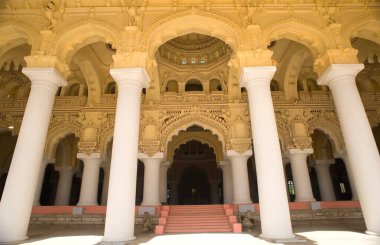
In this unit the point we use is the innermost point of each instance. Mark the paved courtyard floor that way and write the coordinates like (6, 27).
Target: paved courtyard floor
(92, 234)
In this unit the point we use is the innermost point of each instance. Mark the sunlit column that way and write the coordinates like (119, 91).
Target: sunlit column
(274, 210)
(90, 179)
(120, 216)
(20, 188)
(151, 193)
(300, 173)
(240, 177)
(360, 144)
(227, 181)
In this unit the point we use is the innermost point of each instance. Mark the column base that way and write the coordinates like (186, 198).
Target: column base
(242, 202)
(290, 238)
(125, 241)
(305, 200)
(372, 233)
(150, 204)
(87, 204)
(13, 241)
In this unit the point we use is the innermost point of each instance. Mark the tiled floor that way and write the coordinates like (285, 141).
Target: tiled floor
(92, 234)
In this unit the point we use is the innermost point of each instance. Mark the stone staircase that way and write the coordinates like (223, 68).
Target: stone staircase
(197, 219)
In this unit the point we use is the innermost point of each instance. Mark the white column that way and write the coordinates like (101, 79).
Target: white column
(164, 181)
(240, 176)
(274, 210)
(322, 167)
(346, 161)
(19, 192)
(106, 180)
(227, 182)
(40, 182)
(90, 179)
(214, 184)
(151, 194)
(120, 216)
(300, 173)
(62, 197)
(360, 144)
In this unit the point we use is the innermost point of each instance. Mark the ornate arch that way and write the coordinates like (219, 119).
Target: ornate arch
(284, 133)
(105, 133)
(364, 28)
(305, 34)
(182, 22)
(215, 123)
(16, 34)
(58, 129)
(329, 126)
(82, 34)
(210, 139)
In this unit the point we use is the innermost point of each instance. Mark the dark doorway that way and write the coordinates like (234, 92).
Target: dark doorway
(194, 187)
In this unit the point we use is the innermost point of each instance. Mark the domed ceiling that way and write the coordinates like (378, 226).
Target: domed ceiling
(194, 49)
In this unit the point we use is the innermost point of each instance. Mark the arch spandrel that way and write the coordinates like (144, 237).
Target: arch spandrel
(364, 28)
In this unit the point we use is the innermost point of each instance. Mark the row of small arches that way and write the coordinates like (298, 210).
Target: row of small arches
(194, 85)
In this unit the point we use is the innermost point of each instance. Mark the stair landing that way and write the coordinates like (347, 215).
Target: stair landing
(197, 219)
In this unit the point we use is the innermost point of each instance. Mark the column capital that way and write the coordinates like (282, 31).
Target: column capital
(84, 156)
(225, 162)
(292, 152)
(136, 76)
(337, 71)
(233, 153)
(142, 156)
(261, 74)
(44, 76)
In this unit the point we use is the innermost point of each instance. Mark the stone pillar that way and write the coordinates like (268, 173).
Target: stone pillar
(90, 179)
(346, 161)
(151, 194)
(274, 210)
(300, 173)
(164, 182)
(227, 182)
(240, 177)
(40, 181)
(360, 144)
(120, 216)
(214, 184)
(106, 169)
(173, 198)
(62, 197)
(322, 167)
(20, 188)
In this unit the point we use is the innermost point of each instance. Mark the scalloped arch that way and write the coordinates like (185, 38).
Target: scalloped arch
(57, 133)
(213, 142)
(329, 127)
(174, 129)
(186, 22)
(82, 34)
(304, 34)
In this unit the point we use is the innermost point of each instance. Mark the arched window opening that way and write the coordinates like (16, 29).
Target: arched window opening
(74, 90)
(172, 86)
(111, 88)
(274, 86)
(193, 85)
(215, 85)
(85, 91)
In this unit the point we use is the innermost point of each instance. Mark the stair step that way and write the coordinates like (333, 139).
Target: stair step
(197, 230)
(226, 225)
